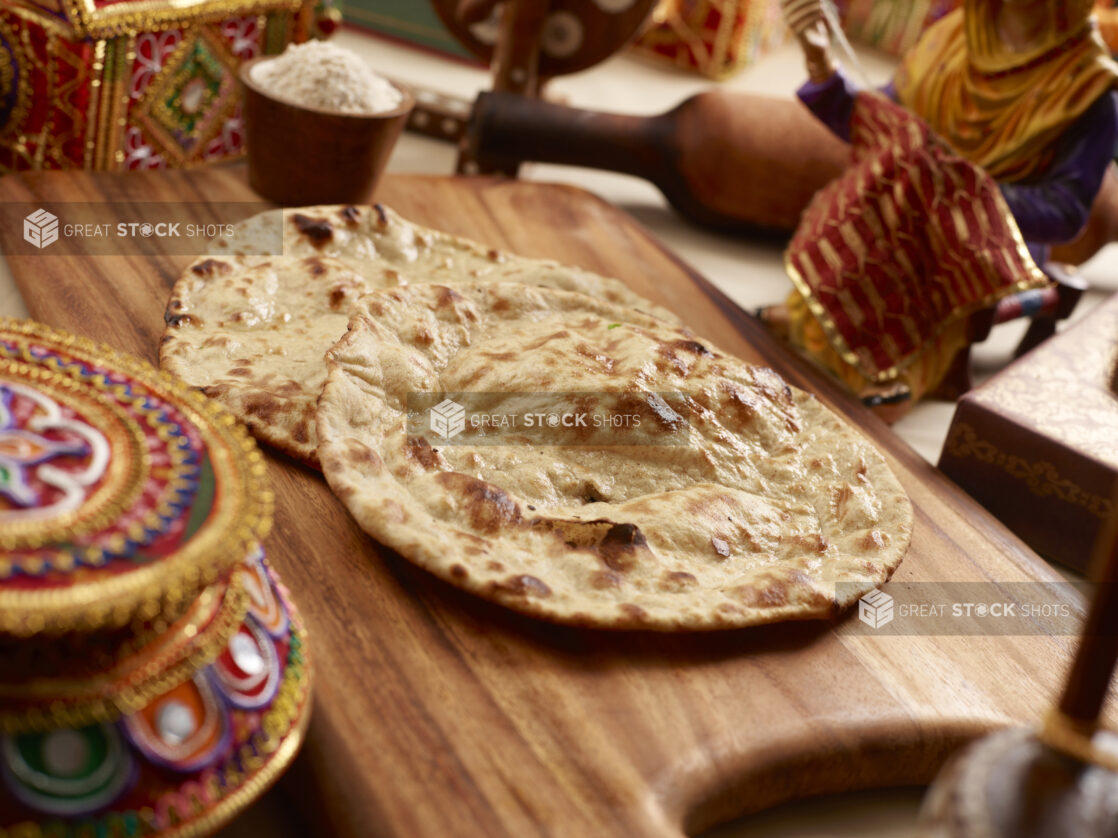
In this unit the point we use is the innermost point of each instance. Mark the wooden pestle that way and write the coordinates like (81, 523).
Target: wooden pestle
(1089, 679)
(1018, 784)
(727, 160)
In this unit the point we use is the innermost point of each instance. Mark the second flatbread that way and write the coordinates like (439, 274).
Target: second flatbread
(251, 331)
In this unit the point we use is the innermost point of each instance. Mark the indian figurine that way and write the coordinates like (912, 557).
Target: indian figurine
(987, 148)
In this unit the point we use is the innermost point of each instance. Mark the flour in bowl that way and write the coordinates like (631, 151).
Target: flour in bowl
(318, 74)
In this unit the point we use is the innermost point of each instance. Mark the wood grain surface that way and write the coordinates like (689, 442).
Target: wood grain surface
(438, 714)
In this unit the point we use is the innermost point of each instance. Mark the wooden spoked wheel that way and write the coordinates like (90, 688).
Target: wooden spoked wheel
(572, 34)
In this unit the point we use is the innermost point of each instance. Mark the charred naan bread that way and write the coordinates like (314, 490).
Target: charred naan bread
(251, 331)
(745, 501)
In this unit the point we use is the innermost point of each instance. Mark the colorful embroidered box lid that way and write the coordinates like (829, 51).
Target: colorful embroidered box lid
(153, 671)
(123, 494)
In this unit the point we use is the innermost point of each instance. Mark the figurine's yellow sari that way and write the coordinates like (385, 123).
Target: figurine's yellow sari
(1001, 109)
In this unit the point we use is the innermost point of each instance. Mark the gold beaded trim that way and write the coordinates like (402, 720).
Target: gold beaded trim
(280, 736)
(23, 90)
(106, 696)
(152, 15)
(282, 729)
(240, 518)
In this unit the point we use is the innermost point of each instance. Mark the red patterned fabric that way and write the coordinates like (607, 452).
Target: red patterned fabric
(908, 240)
(715, 37)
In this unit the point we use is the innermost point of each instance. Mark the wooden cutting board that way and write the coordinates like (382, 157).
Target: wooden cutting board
(438, 714)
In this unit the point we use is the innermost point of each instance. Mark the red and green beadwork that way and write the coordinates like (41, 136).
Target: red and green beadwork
(153, 671)
(190, 758)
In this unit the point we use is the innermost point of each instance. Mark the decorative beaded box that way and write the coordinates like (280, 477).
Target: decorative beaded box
(131, 84)
(153, 672)
(715, 37)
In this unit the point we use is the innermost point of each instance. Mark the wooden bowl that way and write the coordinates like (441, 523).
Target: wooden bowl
(1011, 784)
(299, 155)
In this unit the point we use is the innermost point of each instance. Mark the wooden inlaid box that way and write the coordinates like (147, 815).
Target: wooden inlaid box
(1037, 445)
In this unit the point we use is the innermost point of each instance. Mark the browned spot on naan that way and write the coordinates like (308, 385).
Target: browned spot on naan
(318, 231)
(488, 507)
(211, 267)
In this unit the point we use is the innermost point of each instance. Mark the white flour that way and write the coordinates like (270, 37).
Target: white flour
(318, 74)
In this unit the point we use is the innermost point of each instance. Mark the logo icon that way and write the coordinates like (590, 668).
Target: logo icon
(448, 419)
(875, 609)
(40, 229)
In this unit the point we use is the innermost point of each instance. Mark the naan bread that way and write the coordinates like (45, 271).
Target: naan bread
(251, 331)
(769, 501)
